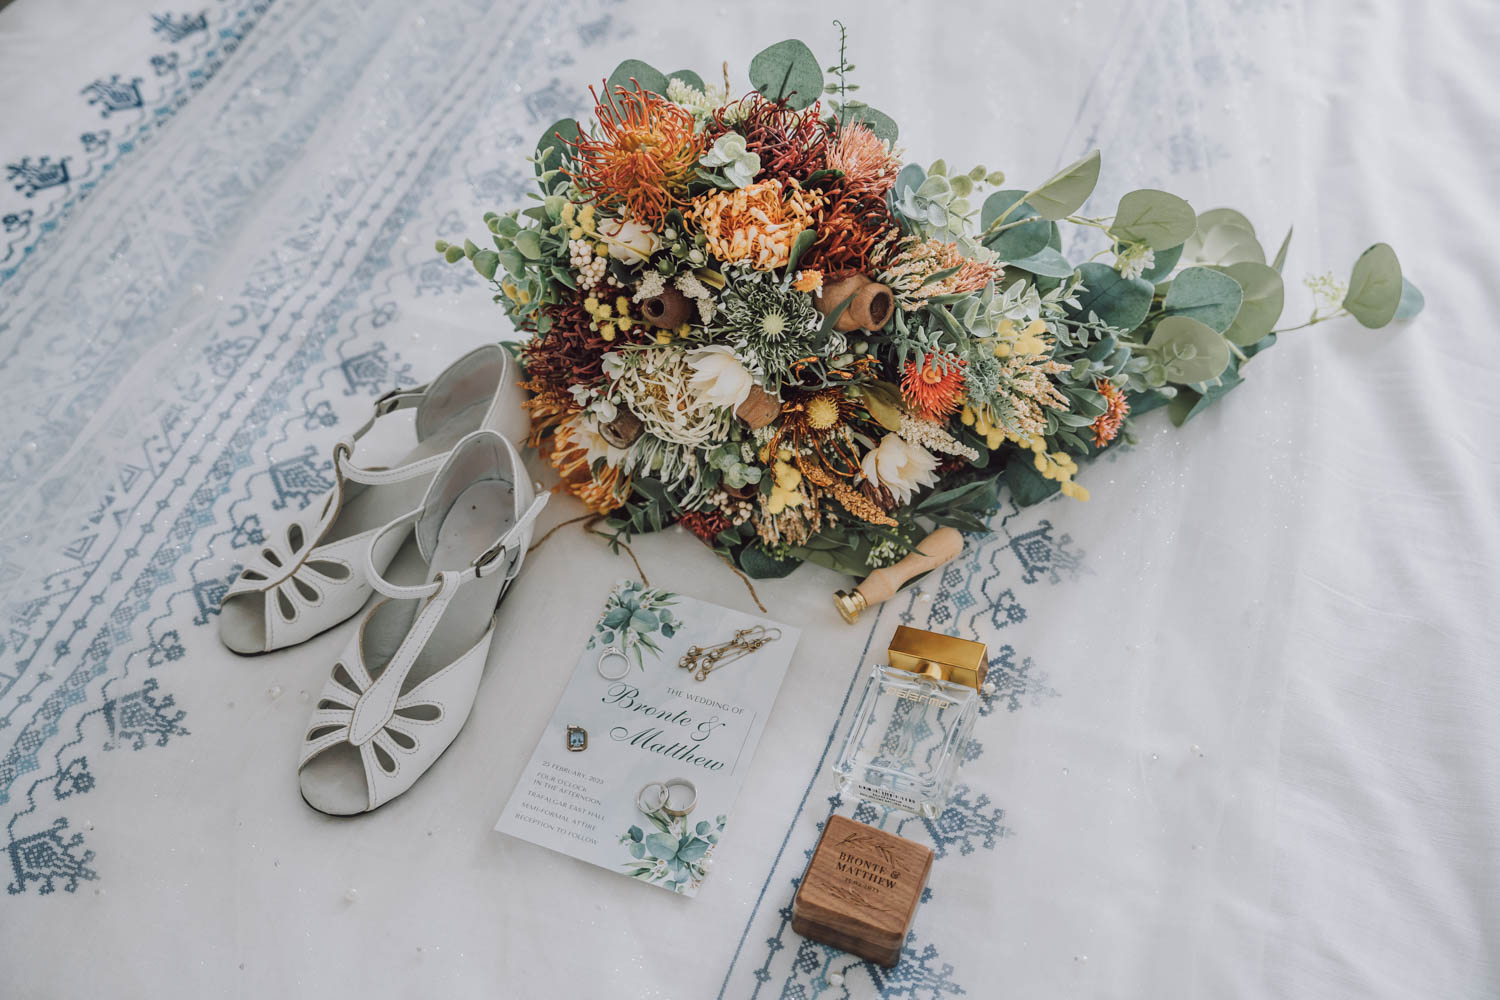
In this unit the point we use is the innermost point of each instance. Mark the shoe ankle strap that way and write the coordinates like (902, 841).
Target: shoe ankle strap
(343, 451)
(482, 566)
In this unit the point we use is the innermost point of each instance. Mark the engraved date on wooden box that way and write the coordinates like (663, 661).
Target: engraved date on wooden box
(860, 890)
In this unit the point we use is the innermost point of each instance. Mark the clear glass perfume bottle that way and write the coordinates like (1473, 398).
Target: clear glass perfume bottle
(913, 722)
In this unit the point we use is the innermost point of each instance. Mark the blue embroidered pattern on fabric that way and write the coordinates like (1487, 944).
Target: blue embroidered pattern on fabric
(114, 94)
(175, 29)
(208, 440)
(30, 178)
(973, 595)
(181, 74)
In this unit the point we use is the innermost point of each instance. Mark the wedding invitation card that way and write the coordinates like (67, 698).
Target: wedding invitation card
(640, 763)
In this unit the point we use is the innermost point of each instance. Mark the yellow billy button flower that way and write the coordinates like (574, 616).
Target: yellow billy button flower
(683, 330)
(784, 489)
(607, 331)
(1030, 341)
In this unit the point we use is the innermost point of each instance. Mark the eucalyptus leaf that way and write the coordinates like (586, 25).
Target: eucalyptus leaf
(1155, 218)
(688, 77)
(1190, 351)
(804, 239)
(882, 124)
(1182, 406)
(759, 564)
(529, 242)
(1286, 242)
(1120, 302)
(556, 138)
(1412, 300)
(1020, 241)
(1264, 296)
(693, 850)
(1027, 486)
(1209, 296)
(1217, 216)
(1375, 287)
(787, 71)
(1065, 192)
(1045, 261)
(886, 411)
(649, 77)
(1224, 243)
(486, 262)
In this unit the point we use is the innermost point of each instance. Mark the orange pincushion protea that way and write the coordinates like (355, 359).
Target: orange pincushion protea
(934, 386)
(643, 158)
(553, 435)
(756, 224)
(1108, 425)
(866, 161)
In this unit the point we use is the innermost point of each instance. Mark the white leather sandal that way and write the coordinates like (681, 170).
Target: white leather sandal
(309, 575)
(406, 681)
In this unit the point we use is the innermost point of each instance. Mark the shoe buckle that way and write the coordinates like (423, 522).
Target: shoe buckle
(390, 402)
(488, 557)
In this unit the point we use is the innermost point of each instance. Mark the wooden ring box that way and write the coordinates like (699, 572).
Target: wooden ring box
(861, 889)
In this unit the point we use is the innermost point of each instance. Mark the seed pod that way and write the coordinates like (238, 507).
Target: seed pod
(870, 303)
(759, 408)
(668, 310)
(623, 430)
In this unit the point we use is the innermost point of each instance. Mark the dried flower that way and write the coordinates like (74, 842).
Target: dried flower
(718, 376)
(643, 157)
(790, 144)
(865, 160)
(755, 224)
(899, 466)
(907, 266)
(933, 385)
(768, 326)
(1117, 408)
(705, 524)
(808, 281)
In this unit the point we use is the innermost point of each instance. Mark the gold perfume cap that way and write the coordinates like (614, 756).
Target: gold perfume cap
(961, 661)
(850, 603)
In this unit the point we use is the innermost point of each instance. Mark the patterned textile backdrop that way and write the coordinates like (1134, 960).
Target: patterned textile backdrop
(217, 250)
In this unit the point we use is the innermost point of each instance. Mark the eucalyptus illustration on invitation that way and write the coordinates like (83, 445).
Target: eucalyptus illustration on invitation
(640, 764)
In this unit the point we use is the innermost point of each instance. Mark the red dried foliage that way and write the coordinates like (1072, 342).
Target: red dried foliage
(791, 144)
(569, 352)
(856, 218)
(706, 525)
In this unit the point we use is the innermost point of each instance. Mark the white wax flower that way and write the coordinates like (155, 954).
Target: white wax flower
(718, 377)
(628, 241)
(900, 467)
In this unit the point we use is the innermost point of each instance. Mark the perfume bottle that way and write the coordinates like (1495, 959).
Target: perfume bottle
(913, 722)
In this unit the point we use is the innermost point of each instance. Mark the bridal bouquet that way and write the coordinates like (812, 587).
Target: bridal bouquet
(748, 316)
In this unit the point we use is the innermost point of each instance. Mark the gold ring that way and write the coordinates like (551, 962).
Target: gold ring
(667, 806)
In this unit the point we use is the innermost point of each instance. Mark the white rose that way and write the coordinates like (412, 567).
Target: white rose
(900, 466)
(628, 241)
(718, 377)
